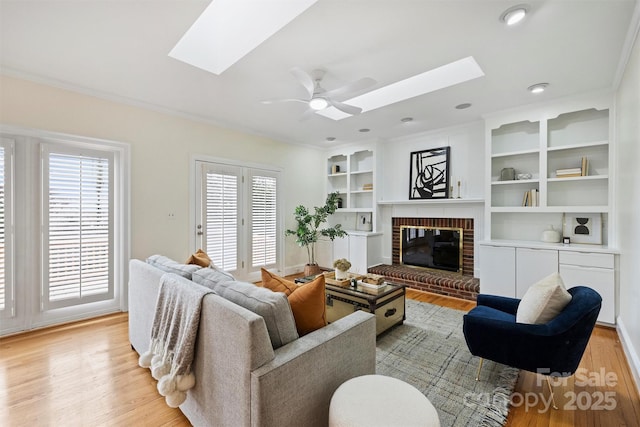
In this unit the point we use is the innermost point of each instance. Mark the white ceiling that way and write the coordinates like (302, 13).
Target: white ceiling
(119, 49)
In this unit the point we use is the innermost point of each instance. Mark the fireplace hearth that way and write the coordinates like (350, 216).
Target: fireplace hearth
(437, 281)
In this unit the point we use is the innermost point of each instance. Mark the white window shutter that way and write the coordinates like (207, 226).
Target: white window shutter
(7, 294)
(221, 219)
(264, 230)
(78, 227)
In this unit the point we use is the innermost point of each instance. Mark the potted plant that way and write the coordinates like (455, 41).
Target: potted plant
(342, 267)
(308, 229)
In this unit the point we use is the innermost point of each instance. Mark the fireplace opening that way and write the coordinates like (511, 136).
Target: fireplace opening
(431, 247)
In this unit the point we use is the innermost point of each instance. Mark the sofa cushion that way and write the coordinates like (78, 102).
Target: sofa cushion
(273, 307)
(200, 258)
(170, 266)
(210, 277)
(543, 301)
(308, 301)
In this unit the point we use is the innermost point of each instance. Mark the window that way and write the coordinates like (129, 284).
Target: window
(78, 226)
(263, 220)
(6, 228)
(221, 218)
(237, 218)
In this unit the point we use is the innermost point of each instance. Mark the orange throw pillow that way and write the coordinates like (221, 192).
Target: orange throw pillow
(307, 301)
(199, 258)
(277, 283)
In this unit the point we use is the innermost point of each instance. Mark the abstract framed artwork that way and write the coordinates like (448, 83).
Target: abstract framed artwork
(429, 174)
(583, 228)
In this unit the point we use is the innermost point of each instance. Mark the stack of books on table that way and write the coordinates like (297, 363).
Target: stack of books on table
(531, 198)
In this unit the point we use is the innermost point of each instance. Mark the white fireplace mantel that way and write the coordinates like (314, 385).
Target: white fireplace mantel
(431, 202)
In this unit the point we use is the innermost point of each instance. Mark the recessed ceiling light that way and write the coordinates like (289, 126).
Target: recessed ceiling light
(451, 74)
(538, 87)
(514, 14)
(227, 30)
(406, 119)
(318, 103)
(364, 130)
(463, 106)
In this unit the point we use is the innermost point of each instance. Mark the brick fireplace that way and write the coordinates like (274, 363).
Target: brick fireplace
(442, 282)
(466, 224)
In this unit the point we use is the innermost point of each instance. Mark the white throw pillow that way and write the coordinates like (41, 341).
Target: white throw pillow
(543, 301)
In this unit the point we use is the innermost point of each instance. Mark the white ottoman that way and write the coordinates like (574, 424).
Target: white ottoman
(377, 400)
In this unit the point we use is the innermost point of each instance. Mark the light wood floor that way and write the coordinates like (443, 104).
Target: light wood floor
(85, 374)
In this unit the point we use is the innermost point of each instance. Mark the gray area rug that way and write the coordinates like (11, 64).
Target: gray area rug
(429, 352)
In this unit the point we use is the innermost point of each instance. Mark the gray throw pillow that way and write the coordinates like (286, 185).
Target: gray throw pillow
(170, 266)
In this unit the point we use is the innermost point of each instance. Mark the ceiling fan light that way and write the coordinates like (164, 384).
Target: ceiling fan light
(318, 103)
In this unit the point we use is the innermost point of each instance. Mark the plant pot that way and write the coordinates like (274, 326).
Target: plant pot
(312, 269)
(341, 274)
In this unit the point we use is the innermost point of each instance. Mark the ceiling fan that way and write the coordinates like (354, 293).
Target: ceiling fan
(319, 98)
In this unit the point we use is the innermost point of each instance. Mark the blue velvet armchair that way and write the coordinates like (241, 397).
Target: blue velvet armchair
(554, 348)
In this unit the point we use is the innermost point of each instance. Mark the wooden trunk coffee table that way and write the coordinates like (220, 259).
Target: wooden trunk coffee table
(387, 304)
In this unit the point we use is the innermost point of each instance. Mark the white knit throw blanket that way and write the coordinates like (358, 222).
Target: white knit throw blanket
(173, 337)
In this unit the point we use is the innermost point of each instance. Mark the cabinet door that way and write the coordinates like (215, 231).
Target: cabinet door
(498, 270)
(340, 249)
(358, 254)
(602, 280)
(533, 265)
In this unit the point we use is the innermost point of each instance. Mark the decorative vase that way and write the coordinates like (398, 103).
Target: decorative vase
(551, 235)
(341, 274)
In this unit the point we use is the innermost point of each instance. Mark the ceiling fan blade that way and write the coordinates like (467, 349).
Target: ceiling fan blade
(352, 87)
(273, 101)
(345, 108)
(304, 79)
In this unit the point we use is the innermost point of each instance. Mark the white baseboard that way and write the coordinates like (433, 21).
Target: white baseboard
(630, 352)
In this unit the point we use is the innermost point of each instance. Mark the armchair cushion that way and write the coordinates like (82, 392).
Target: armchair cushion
(543, 301)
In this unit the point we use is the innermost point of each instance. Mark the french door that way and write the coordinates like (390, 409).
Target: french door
(237, 221)
(63, 228)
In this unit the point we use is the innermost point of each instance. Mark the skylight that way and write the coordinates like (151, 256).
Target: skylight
(438, 78)
(227, 30)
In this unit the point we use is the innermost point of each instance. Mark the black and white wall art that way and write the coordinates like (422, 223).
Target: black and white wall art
(429, 174)
(583, 228)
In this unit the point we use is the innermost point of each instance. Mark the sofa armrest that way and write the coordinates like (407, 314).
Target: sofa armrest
(144, 286)
(295, 388)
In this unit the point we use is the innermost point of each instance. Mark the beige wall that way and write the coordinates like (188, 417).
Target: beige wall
(161, 149)
(628, 201)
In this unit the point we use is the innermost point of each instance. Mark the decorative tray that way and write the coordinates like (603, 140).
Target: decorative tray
(330, 278)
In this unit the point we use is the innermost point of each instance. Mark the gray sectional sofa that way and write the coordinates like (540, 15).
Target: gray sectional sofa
(252, 369)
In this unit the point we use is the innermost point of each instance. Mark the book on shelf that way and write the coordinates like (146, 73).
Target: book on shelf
(584, 169)
(531, 198)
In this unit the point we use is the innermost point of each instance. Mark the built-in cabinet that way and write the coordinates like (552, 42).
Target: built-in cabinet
(538, 145)
(543, 163)
(352, 172)
(509, 269)
(363, 250)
